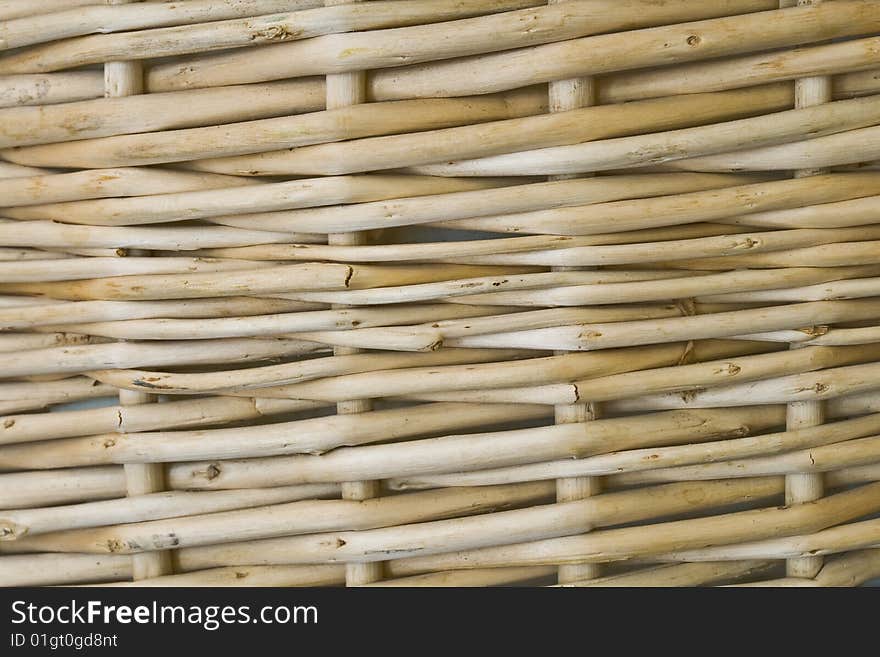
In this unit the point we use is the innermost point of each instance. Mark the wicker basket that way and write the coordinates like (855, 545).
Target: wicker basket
(439, 292)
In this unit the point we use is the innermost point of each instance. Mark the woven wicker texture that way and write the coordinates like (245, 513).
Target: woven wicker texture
(439, 292)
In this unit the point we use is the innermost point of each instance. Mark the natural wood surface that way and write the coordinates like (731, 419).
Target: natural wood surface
(404, 293)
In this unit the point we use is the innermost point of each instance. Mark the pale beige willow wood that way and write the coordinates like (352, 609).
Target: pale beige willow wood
(125, 78)
(574, 293)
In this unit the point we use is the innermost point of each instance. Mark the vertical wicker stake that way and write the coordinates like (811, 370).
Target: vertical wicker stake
(344, 89)
(567, 95)
(126, 79)
(806, 487)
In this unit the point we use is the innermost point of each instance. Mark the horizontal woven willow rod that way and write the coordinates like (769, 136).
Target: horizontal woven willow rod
(855, 288)
(356, 29)
(854, 212)
(760, 249)
(844, 382)
(12, 303)
(48, 234)
(459, 578)
(560, 339)
(10, 170)
(81, 358)
(17, 523)
(656, 47)
(188, 413)
(528, 65)
(823, 384)
(250, 576)
(474, 141)
(491, 200)
(834, 480)
(57, 19)
(481, 286)
(314, 192)
(54, 570)
(434, 335)
(744, 203)
(303, 576)
(21, 396)
(312, 436)
(283, 279)
(686, 574)
(660, 458)
(747, 70)
(205, 33)
(745, 287)
(105, 252)
(569, 289)
(14, 9)
(858, 83)
(452, 383)
(19, 341)
(838, 336)
(844, 537)
(436, 380)
(78, 569)
(697, 377)
(50, 88)
(652, 328)
(850, 147)
(303, 320)
(53, 487)
(198, 285)
(232, 381)
(429, 322)
(106, 183)
(824, 254)
(862, 451)
(24, 254)
(769, 130)
(72, 86)
(675, 329)
(429, 455)
(35, 489)
(647, 540)
(391, 48)
(17, 302)
(43, 312)
(88, 119)
(387, 374)
(783, 247)
(270, 134)
(69, 269)
(847, 405)
(505, 527)
(15, 254)
(267, 521)
(847, 570)
(532, 246)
